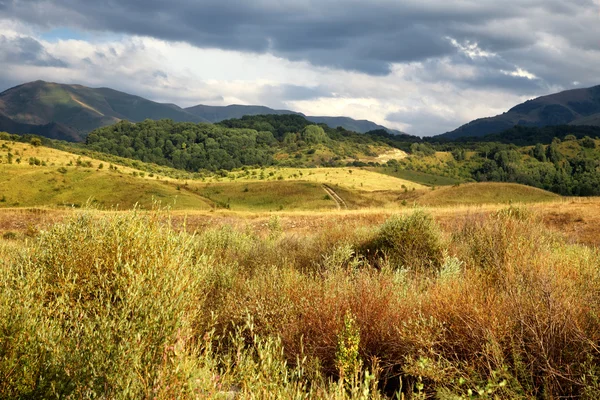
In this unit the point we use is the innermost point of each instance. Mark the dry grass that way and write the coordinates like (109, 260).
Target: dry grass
(136, 307)
(350, 178)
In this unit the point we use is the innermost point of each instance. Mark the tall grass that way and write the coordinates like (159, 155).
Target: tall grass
(125, 306)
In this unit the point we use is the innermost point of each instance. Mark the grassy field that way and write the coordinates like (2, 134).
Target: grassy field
(266, 196)
(351, 178)
(465, 302)
(416, 176)
(44, 177)
(63, 179)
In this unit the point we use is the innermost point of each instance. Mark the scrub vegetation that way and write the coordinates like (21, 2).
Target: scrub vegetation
(129, 305)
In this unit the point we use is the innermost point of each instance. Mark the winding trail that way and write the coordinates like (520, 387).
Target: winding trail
(340, 203)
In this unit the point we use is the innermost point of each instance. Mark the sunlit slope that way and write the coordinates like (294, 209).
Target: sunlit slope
(265, 196)
(350, 178)
(64, 179)
(485, 193)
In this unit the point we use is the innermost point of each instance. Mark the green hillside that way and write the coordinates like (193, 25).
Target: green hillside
(79, 108)
(570, 166)
(285, 140)
(485, 193)
(40, 176)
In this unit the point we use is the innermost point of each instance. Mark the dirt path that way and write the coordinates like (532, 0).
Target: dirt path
(338, 200)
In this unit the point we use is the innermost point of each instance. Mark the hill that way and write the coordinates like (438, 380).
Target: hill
(52, 130)
(217, 114)
(70, 112)
(531, 135)
(235, 111)
(284, 140)
(571, 107)
(33, 176)
(485, 193)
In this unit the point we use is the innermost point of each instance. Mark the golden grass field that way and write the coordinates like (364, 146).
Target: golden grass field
(265, 287)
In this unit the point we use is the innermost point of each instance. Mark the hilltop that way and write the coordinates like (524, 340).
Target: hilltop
(572, 107)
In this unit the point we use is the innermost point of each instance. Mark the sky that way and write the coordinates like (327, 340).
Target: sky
(421, 66)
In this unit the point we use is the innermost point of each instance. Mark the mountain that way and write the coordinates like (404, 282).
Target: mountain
(52, 130)
(71, 111)
(361, 126)
(571, 107)
(216, 114)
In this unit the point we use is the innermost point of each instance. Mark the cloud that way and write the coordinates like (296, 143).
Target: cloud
(365, 36)
(424, 122)
(423, 66)
(28, 51)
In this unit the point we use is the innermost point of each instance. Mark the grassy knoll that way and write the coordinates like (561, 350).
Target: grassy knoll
(482, 193)
(124, 305)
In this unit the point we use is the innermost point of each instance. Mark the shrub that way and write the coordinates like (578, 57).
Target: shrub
(9, 236)
(412, 241)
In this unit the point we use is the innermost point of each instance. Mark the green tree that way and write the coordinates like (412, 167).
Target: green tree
(539, 152)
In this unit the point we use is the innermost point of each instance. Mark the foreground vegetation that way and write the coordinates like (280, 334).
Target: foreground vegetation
(123, 305)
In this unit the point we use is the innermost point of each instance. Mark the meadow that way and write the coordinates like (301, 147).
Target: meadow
(489, 302)
(257, 283)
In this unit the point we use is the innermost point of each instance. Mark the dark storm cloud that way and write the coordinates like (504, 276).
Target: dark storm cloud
(350, 34)
(28, 51)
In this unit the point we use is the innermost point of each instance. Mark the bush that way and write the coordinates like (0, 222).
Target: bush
(9, 236)
(411, 241)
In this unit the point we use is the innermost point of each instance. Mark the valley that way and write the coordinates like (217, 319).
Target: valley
(269, 254)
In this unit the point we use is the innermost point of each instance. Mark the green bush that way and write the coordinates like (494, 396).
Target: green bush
(411, 241)
(9, 235)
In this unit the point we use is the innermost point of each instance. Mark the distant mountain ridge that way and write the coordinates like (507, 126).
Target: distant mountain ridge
(70, 112)
(216, 114)
(570, 107)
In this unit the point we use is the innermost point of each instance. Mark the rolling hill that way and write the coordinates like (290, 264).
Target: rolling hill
(70, 112)
(571, 107)
(38, 176)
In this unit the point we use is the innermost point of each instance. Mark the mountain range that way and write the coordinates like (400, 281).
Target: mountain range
(571, 107)
(70, 112)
